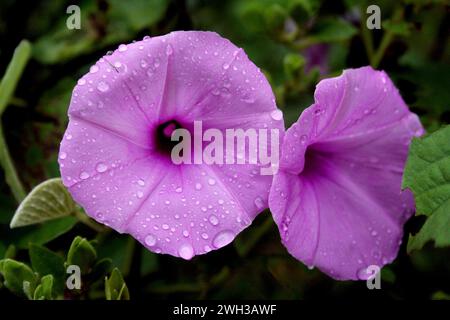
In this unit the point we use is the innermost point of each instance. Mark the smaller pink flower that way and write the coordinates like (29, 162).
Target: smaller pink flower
(337, 199)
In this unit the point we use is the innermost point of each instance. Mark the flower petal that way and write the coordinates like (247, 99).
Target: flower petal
(109, 160)
(338, 201)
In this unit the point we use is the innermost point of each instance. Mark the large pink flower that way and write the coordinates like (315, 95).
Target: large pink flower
(115, 155)
(337, 199)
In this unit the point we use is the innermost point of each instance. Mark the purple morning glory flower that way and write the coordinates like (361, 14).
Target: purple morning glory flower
(337, 199)
(115, 157)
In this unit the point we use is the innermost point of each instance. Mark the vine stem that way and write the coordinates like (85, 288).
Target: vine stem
(388, 37)
(7, 87)
(83, 218)
(12, 179)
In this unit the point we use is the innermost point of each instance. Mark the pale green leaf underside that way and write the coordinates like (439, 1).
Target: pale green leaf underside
(427, 175)
(49, 200)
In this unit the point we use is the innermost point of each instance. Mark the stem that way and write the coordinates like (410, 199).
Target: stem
(367, 38)
(12, 179)
(13, 73)
(83, 218)
(386, 40)
(7, 86)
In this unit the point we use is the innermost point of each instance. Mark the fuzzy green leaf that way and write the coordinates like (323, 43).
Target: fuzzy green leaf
(49, 200)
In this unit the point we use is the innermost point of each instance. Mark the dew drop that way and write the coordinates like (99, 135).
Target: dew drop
(84, 175)
(62, 155)
(205, 236)
(141, 182)
(211, 181)
(225, 66)
(223, 238)
(186, 233)
(186, 251)
(81, 82)
(213, 220)
(259, 203)
(303, 139)
(143, 63)
(139, 194)
(102, 86)
(123, 48)
(276, 115)
(150, 240)
(198, 186)
(101, 167)
(93, 69)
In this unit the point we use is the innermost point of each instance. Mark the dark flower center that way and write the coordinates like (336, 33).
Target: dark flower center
(163, 134)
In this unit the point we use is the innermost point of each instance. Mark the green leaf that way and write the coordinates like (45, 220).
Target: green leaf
(19, 278)
(115, 287)
(44, 291)
(82, 254)
(427, 174)
(42, 233)
(46, 262)
(330, 30)
(47, 201)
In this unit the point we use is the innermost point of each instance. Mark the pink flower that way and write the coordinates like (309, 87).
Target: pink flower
(115, 157)
(337, 199)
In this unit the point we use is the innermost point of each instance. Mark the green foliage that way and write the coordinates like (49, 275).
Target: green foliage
(82, 254)
(427, 174)
(49, 200)
(18, 278)
(47, 263)
(115, 287)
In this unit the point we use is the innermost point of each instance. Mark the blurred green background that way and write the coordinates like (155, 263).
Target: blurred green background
(296, 43)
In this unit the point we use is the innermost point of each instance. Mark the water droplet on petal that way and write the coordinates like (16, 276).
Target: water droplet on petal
(211, 181)
(102, 86)
(84, 175)
(141, 182)
(363, 274)
(259, 203)
(123, 47)
(186, 233)
(205, 236)
(198, 186)
(186, 251)
(150, 240)
(276, 115)
(93, 69)
(101, 167)
(62, 155)
(81, 82)
(223, 238)
(213, 220)
(225, 66)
